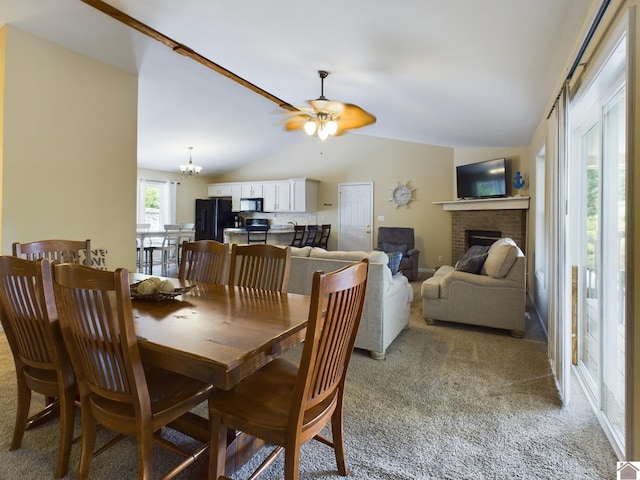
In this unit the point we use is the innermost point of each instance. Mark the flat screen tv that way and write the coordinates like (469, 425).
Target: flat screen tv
(486, 179)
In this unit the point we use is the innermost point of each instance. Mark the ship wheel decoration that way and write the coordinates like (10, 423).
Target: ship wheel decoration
(402, 194)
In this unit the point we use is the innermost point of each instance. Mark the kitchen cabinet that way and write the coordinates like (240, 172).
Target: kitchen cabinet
(291, 195)
(236, 195)
(277, 196)
(304, 195)
(219, 189)
(251, 190)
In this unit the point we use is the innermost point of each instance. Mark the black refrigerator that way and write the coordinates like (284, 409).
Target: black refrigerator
(213, 215)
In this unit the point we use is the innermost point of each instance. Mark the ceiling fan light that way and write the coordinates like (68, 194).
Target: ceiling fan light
(323, 133)
(310, 127)
(331, 127)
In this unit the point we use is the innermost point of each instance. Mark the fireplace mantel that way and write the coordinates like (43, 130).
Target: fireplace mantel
(507, 203)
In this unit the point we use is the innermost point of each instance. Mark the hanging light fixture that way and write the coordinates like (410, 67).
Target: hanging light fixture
(190, 169)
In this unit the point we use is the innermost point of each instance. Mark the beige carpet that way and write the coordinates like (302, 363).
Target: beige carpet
(448, 402)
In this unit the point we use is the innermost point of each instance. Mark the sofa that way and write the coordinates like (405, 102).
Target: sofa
(486, 289)
(400, 240)
(387, 301)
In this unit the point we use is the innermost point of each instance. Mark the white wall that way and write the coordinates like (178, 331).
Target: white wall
(68, 148)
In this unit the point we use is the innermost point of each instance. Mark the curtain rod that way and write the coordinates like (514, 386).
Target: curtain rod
(158, 181)
(583, 47)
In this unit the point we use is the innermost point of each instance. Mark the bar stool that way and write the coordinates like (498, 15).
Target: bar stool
(298, 235)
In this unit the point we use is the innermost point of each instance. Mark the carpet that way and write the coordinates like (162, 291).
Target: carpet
(448, 402)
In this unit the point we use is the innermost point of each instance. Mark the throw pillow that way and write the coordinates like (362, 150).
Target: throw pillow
(394, 262)
(395, 247)
(500, 260)
(473, 260)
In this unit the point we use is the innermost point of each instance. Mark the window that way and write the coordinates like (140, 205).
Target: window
(156, 203)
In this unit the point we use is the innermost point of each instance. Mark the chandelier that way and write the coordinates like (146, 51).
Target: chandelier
(190, 169)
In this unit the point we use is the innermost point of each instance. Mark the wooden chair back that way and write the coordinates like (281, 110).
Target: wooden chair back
(97, 326)
(204, 261)
(62, 251)
(287, 404)
(265, 267)
(116, 391)
(298, 235)
(337, 301)
(30, 321)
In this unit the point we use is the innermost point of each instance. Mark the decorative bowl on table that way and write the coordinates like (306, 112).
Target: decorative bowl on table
(156, 289)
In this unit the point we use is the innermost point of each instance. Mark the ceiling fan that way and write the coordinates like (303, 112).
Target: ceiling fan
(328, 117)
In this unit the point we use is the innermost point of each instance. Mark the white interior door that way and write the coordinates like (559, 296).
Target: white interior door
(355, 216)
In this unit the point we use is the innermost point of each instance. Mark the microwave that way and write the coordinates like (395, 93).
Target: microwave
(251, 204)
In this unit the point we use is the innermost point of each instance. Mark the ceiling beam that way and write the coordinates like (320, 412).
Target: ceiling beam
(184, 50)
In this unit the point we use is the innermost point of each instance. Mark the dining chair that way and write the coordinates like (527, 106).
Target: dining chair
(264, 267)
(117, 390)
(141, 248)
(64, 251)
(30, 321)
(286, 404)
(171, 247)
(298, 235)
(204, 261)
(312, 235)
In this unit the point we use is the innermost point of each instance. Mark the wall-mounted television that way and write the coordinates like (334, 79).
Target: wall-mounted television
(488, 179)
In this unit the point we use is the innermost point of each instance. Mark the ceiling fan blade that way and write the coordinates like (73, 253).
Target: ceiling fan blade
(296, 122)
(354, 116)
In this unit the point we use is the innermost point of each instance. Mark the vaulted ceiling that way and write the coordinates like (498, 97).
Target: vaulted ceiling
(460, 73)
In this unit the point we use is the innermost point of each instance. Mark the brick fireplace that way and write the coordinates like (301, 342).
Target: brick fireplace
(510, 223)
(473, 220)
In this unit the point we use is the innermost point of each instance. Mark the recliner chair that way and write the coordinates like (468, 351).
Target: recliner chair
(400, 239)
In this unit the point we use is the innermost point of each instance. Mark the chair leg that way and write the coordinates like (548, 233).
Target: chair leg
(292, 462)
(145, 458)
(22, 412)
(89, 428)
(67, 417)
(338, 439)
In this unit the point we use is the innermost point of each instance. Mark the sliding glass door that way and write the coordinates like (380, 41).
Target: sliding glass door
(597, 218)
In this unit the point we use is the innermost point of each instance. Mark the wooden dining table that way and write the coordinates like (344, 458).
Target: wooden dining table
(219, 334)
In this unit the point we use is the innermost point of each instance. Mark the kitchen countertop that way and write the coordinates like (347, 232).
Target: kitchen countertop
(273, 230)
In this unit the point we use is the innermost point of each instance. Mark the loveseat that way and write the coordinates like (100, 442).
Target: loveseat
(487, 291)
(387, 301)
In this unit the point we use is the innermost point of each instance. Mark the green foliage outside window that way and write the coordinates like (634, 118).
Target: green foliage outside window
(152, 198)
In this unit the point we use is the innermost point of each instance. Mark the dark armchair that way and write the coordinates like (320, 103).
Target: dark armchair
(400, 239)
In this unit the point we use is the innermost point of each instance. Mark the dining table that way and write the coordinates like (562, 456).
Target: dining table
(218, 334)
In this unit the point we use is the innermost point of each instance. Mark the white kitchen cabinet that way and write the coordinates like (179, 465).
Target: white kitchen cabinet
(304, 195)
(292, 195)
(251, 190)
(236, 195)
(277, 196)
(219, 189)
